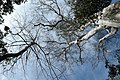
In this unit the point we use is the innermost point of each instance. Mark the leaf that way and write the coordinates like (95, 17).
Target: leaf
(6, 28)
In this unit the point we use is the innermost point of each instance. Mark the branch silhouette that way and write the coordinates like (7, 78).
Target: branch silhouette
(9, 55)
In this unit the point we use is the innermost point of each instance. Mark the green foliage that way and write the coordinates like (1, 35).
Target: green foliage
(6, 6)
(84, 9)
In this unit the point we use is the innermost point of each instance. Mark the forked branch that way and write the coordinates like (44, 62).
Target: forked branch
(13, 55)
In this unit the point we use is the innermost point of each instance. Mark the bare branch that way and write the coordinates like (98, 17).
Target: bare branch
(54, 25)
(7, 56)
(90, 33)
(113, 31)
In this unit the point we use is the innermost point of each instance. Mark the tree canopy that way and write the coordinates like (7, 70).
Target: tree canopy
(57, 34)
(6, 6)
(85, 9)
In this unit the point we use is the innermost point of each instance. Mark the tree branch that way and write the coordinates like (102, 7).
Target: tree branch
(53, 25)
(6, 56)
(90, 33)
(113, 31)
